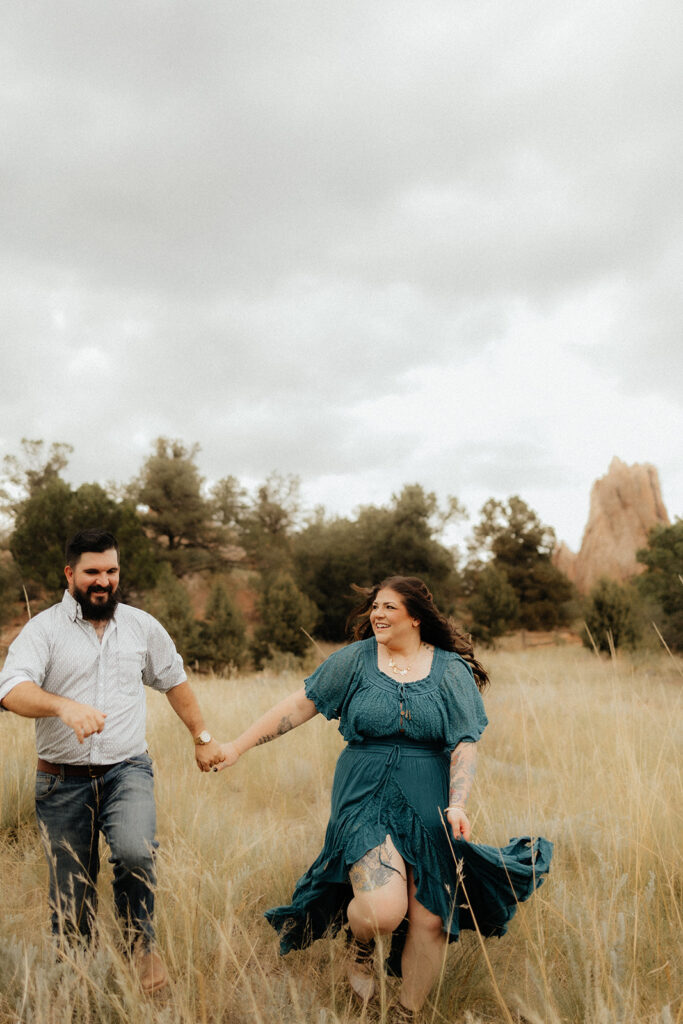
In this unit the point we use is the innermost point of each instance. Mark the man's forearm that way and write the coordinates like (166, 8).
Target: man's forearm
(186, 706)
(31, 701)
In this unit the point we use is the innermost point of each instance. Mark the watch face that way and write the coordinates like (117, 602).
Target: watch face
(204, 737)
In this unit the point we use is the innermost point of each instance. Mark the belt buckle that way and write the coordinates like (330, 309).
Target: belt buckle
(94, 771)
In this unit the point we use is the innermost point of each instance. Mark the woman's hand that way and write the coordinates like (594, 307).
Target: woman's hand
(459, 822)
(229, 756)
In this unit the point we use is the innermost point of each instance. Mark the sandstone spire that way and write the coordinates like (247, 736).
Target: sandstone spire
(625, 504)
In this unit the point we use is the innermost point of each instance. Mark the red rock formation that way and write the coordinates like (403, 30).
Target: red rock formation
(565, 560)
(625, 505)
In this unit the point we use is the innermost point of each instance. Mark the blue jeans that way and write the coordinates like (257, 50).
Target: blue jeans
(71, 814)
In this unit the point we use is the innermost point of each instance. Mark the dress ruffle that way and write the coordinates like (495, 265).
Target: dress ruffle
(467, 885)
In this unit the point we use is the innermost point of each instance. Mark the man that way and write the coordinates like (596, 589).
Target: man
(78, 668)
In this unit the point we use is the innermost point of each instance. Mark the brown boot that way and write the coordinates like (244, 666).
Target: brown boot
(361, 971)
(149, 968)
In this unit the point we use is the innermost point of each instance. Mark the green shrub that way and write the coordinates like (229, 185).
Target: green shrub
(221, 640)
(170, 604)
(494, 605)
(10, 586)
(285, 613)
(662, 582)
(612, 616)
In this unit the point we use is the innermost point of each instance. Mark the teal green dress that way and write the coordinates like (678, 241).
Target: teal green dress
(392, 778)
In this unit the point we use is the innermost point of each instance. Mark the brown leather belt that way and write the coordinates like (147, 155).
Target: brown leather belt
(80, 771)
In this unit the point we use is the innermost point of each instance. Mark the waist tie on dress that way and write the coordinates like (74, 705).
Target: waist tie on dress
(393, 748)
(411, 748)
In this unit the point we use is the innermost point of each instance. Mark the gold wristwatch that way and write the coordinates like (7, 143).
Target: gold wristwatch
(204, 737)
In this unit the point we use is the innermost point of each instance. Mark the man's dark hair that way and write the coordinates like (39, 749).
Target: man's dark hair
(96, 539)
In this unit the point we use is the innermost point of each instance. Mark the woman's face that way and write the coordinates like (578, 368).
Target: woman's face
(390, 620)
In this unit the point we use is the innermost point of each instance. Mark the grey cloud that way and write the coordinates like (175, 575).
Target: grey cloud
(308, 339)
(646, 350)
(252, 220)
(499, 469)
(234, 145)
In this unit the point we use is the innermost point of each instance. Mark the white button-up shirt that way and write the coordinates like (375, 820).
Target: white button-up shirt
(61, 652)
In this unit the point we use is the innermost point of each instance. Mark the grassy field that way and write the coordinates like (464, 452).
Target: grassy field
(583, 750)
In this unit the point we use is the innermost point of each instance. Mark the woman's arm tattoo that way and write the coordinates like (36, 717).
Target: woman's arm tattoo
(463, 769)
(284, 726)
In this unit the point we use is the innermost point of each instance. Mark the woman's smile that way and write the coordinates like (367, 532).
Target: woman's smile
(390, 620)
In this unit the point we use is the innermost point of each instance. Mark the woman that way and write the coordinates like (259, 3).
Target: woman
(407, 697)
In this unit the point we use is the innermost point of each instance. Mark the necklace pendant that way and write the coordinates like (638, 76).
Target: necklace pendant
(399, 671)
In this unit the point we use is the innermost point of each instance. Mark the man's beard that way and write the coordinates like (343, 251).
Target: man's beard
(97, 612)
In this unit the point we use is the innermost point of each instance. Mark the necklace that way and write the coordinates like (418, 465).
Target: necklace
(397, 670)
(406, 668)
(400, 671)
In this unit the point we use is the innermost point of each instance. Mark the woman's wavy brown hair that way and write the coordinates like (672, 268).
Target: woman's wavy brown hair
(435, 628)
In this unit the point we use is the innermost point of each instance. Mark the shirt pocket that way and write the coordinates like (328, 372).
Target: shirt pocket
(130, 672)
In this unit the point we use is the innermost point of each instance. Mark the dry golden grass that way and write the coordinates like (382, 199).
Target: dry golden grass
(583, 750)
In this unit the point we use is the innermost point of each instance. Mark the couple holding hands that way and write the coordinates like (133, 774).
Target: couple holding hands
(397, 857)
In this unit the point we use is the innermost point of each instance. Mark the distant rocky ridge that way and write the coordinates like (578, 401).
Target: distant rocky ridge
(625, 504)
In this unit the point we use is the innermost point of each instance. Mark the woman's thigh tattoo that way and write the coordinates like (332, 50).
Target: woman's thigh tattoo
(374, 869)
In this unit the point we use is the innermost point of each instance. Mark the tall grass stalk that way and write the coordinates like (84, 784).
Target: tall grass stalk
(582, 749)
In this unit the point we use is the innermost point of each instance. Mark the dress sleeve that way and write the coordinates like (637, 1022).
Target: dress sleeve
(464, 709)
(329, 686)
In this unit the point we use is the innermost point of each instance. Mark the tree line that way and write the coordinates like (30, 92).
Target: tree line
(292, 572)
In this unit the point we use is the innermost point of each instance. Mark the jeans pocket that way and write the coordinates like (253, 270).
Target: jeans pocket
(143, 761)
(46, 784)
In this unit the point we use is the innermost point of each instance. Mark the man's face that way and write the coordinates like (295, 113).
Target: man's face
(93, 581)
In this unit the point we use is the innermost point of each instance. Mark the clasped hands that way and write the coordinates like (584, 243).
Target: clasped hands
(217, 756)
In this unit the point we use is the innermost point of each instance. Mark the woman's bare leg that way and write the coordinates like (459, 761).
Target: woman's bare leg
(379, 904)
(380, 892)
(423, 953)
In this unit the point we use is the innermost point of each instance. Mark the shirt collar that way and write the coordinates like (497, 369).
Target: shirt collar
(71, 606)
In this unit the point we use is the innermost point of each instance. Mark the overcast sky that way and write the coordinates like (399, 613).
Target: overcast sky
(367, 243)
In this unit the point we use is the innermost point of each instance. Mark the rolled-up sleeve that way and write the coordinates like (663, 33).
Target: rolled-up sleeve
(163, 665)
(27, 659)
